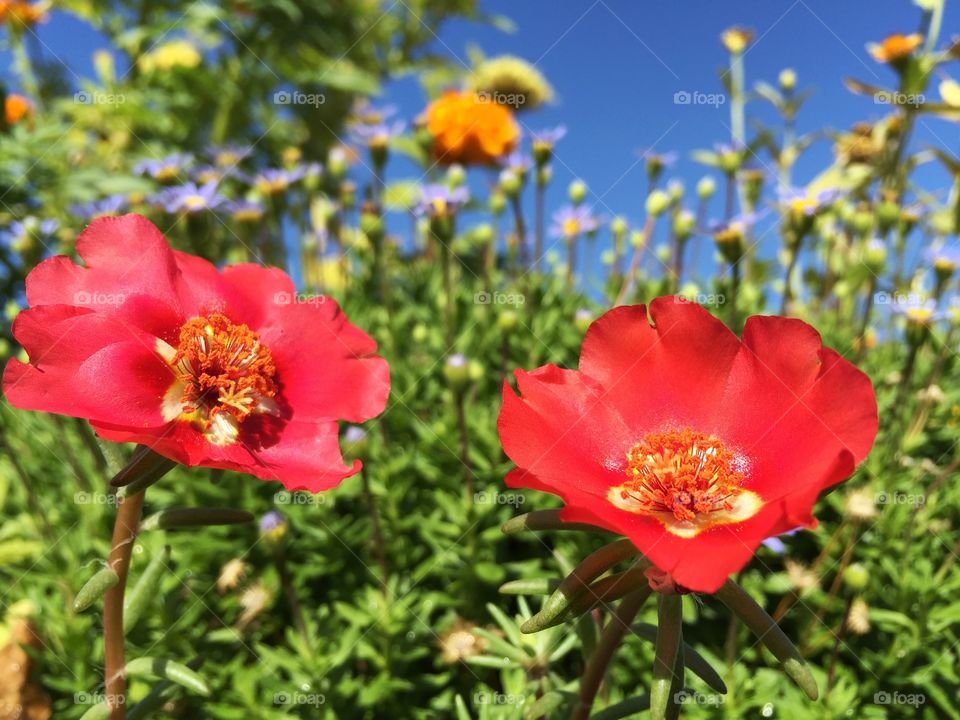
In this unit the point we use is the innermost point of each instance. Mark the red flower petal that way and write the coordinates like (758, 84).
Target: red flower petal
(797, 418)
(86, 365)
(300, 455)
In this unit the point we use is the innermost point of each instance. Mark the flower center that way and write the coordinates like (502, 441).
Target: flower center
(194, 202)
(224, 373)
(687, 480)
(571, 227)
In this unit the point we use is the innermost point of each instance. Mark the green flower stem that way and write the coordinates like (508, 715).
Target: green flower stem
(613, 634)
(379, 547)
(734, 288)
(631, 275)
(538, 221)
(668, 654)
(769, 633)
(125, 526)
(520, 227)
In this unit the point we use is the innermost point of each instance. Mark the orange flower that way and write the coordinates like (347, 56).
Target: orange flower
(467, 128)
(23, 11)
(895, 47)
(15, 108)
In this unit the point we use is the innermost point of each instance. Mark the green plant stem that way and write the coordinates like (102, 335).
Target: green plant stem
(613, 634)
(520, 227)
(539, 213)
(379, 548)
(125, 527)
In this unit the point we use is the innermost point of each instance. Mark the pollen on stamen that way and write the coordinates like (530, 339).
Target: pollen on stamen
(684, 473)
(225, 373)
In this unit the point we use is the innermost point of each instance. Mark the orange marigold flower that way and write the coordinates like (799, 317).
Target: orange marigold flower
(15, 108)
(468, 129)
(895, 47)
(23, 11)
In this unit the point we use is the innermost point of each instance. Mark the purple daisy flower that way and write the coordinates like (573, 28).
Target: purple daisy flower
(244, 210)
(376, 135)
(803, 202)
(228, 156)
(943, 258)
(440, 200)
(110, 205)
(572, 220)
(273, 180)
(168, 168)
(30, 227)
(190, 198)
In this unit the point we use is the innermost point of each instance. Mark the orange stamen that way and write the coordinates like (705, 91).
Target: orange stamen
(683, 472)
(224, 369)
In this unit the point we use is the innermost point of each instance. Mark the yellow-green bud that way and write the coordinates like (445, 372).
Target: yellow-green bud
(507, 319)
(456, 176)
(657, 203)
(510, 183)
(683, 224)
(498, 201)
(577, 191)
(706, 187)
(618, 226)
(419, 333)
(856, 576)
(788, 79)
(637, 239)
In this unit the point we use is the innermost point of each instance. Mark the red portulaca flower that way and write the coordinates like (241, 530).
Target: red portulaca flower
(217, 368)
(692, 443)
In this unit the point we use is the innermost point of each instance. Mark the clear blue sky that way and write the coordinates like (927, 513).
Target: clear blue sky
(616, 65)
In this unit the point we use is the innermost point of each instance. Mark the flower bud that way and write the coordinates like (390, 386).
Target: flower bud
(498, 201)
(456, 176)
(618, 226)
(582, 319)
(657, 203)
(706, 187)
(507, 320)
(856, 576)
(577, 191)
(355, 442)
(419, 333)
(457, 370)
(273, 527)
(788, 80)
(683, 224)
(510, 183)
(637, 239)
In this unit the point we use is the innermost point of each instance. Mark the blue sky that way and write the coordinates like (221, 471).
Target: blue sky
(617, 64)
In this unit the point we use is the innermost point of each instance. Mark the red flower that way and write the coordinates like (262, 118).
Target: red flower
(693, 444)
(206, 367)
